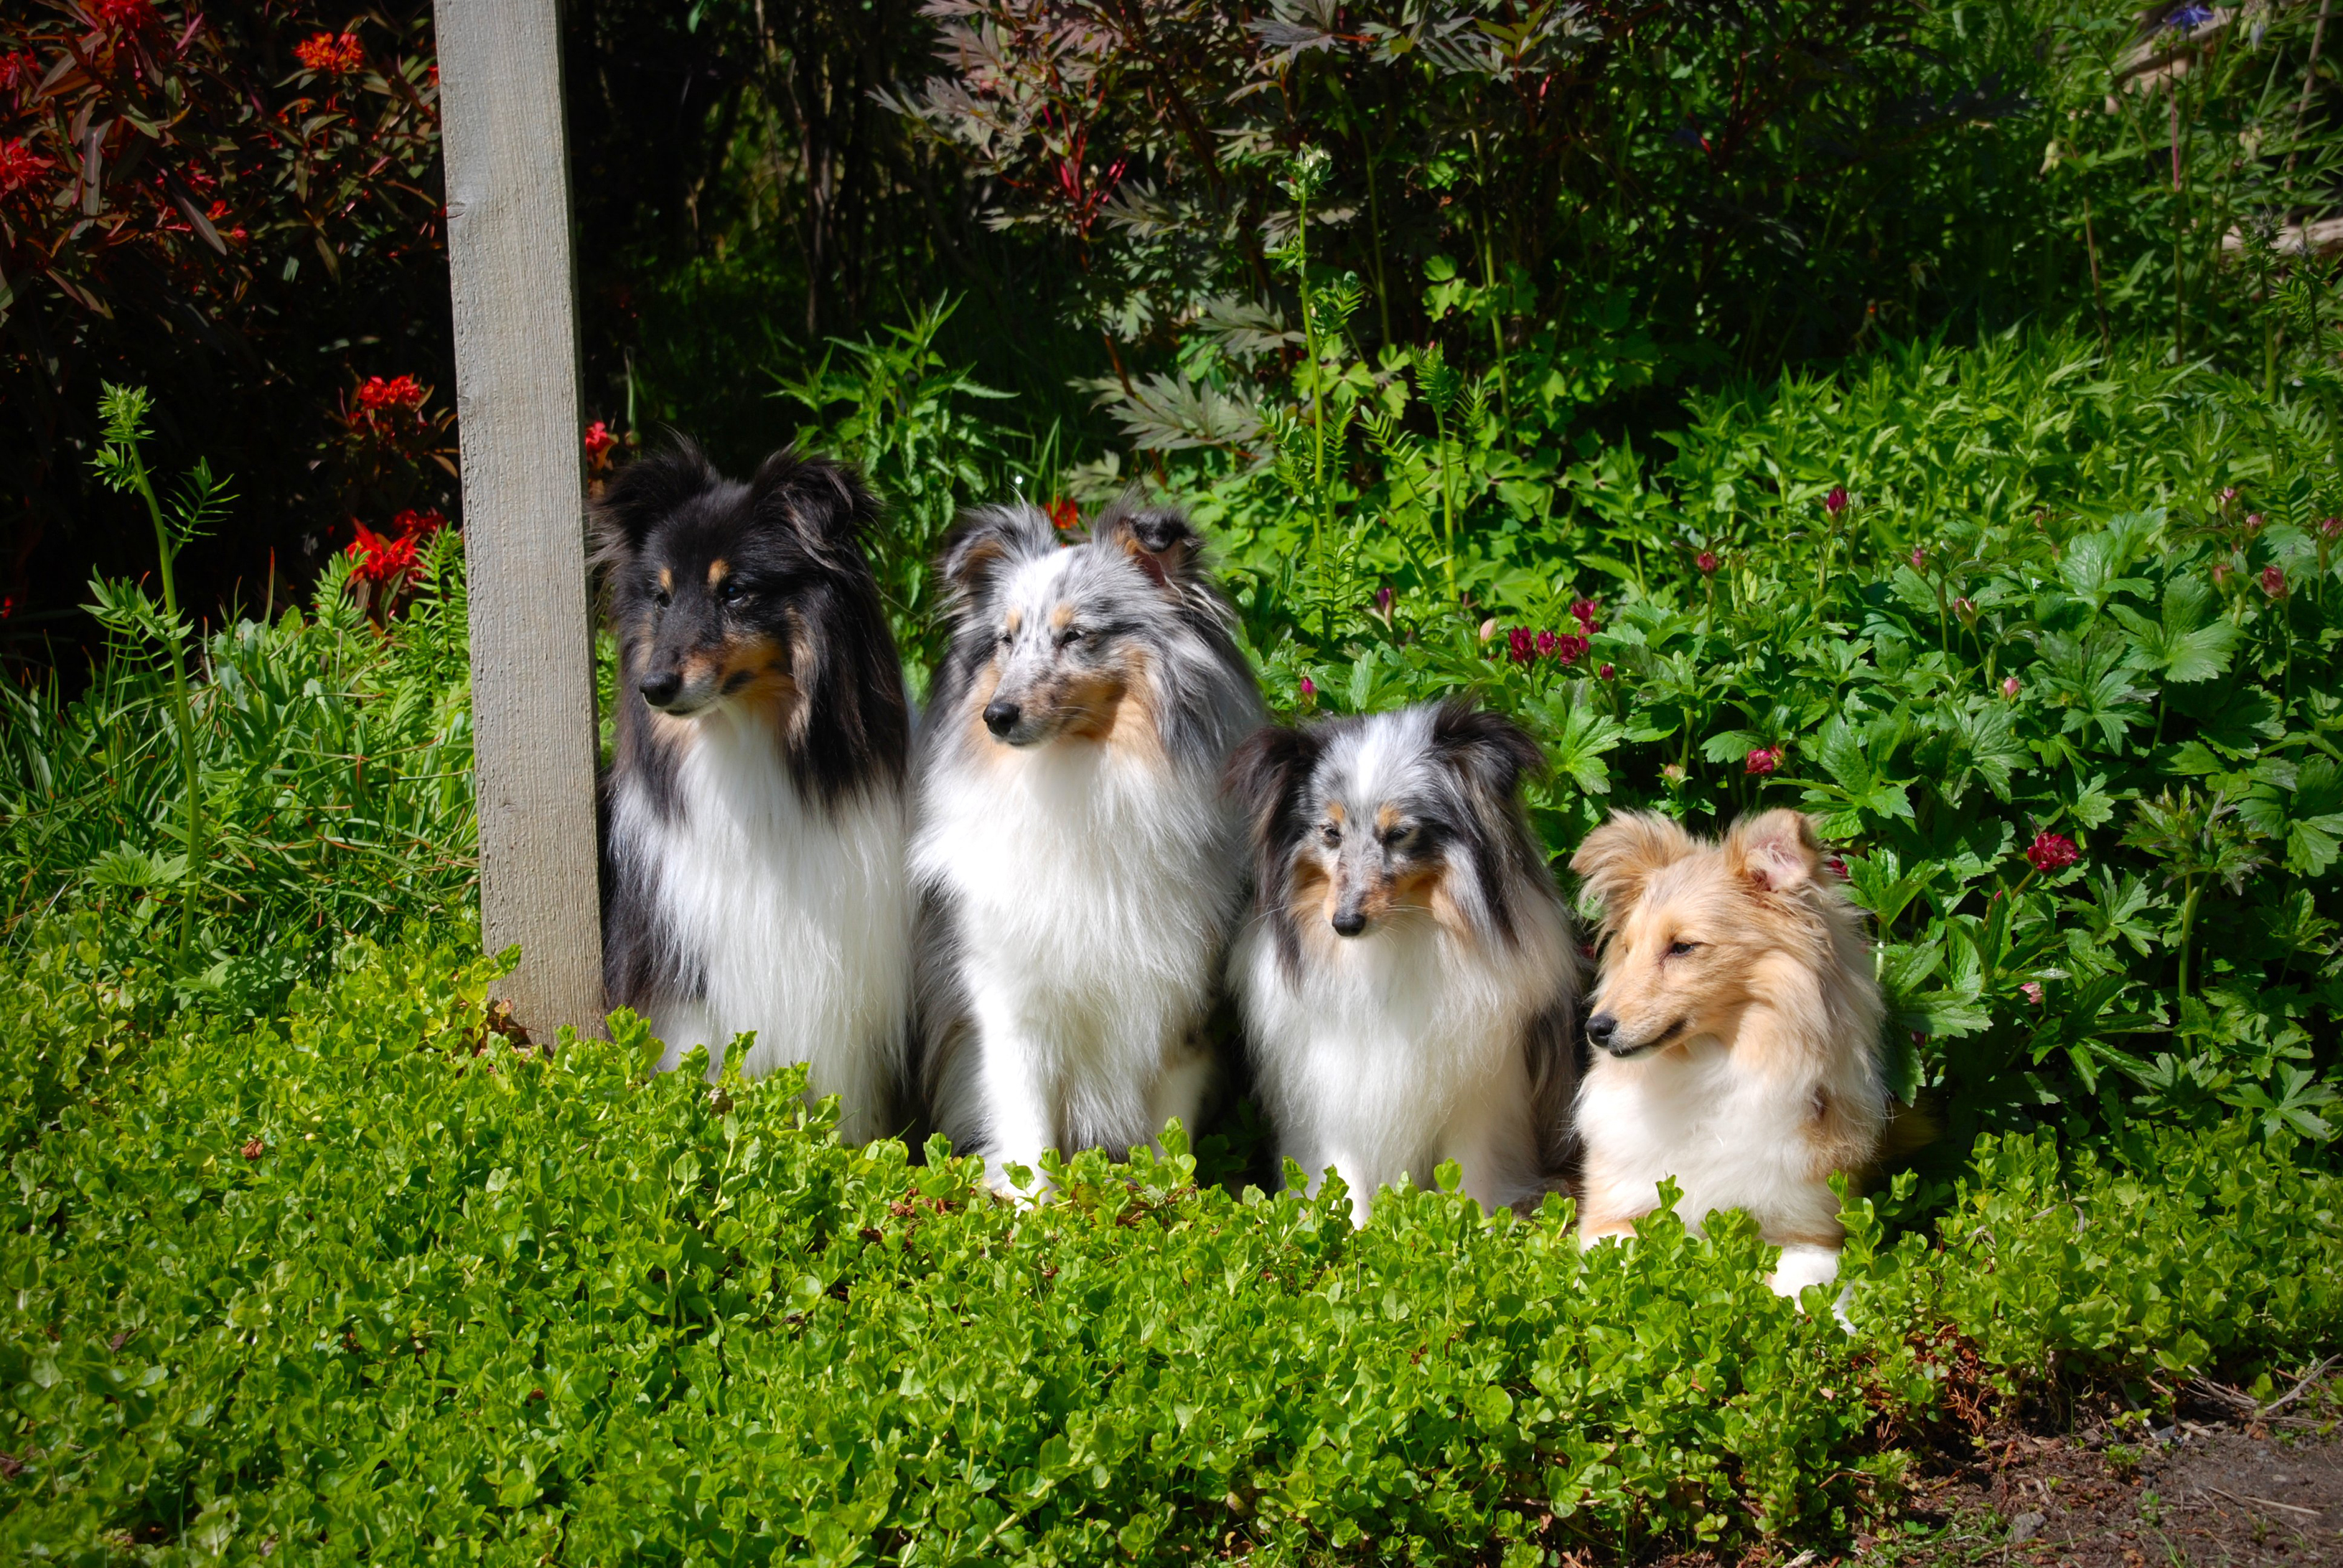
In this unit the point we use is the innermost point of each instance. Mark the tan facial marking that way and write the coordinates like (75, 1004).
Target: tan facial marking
(1015, 621)
(718, 571)
(667, 580)
(1091, 702)
(1386, 819)
(1062, 618)
(1335, 814)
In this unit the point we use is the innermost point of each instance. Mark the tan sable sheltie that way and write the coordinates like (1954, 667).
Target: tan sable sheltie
(1736, 1026)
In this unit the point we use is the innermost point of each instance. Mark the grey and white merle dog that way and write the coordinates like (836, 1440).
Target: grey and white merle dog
(1080, 870)
(756, 816)
(1408, 978)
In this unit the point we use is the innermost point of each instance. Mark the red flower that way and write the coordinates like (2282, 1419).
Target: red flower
(382, 561)
(1309, 689)
(412, 522)
(1520, 645)
(398, 392)
(1570, 647)
(130, 15)
(2052, 852)
(1763, 761)
(1835, 502)
(2274, 581)
(1837, 863)
(1064, 512)
(1919, 558)
(2328, 527)
(19, 166)
(18, 70)
(1706, 562)
(598, 443)
(330, 55)
(1605, 673)
(1583, 611)
(1545, 644)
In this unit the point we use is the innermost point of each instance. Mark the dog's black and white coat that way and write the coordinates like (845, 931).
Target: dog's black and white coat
(1081, 870)
(1408, 976)
(756, 813)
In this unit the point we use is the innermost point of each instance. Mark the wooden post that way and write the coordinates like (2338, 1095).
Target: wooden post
(508, 261)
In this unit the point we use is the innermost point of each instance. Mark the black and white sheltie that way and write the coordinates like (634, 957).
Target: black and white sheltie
(756, 813)
(1079, 869)
(1408, 976)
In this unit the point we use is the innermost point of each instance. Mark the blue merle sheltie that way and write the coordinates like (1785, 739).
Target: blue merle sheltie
(756, 814)
(1408, 976)
(1081, 870)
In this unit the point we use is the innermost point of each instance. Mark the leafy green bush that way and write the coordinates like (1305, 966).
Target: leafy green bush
(373, 1282)
(335, 761)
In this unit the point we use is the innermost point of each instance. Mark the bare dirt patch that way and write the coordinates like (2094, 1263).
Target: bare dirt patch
(2223, 1480)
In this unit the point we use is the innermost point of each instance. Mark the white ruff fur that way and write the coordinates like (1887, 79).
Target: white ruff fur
(1733, 1136)
(1399, 1049)
(1091, 885)
(799, 917)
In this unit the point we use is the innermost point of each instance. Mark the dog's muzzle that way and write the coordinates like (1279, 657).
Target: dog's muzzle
(1602, 1033)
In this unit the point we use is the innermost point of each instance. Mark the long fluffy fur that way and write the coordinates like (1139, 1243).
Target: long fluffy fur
(1078, 869)
(1736, 1026)
(1407, 977)
(756, 816)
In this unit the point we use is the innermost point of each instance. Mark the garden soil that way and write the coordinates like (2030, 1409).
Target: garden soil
(2218, 1482)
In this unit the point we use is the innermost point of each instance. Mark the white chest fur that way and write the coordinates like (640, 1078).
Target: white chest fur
(1732, 1138)
(1091, 891)
(798, 917)
(1399, 1049)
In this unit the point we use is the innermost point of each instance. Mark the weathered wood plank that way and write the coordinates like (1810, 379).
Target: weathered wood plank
(509, 259)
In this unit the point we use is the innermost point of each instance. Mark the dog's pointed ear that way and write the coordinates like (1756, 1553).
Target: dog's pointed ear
(825, 501)
(988, 538)
(1491, 751)
(1620, 856)
(645, 491)
(1160, 540)
(1776, 852)
(1265, 774)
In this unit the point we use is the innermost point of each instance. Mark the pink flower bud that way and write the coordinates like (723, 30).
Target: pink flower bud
(2274, 581)
(1605, 673)
(1309, 689)
(1835, 501)
(1706, 562)
(2010, 686)
(2052, 852)
(2033, 989)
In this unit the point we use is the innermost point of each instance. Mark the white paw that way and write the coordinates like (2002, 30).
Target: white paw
(1803, 1265)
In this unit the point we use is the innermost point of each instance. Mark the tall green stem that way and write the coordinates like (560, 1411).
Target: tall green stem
(2188, 924)
(183, 711)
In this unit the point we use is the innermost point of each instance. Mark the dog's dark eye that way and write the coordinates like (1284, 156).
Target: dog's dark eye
(659, 596)
(1678, 950)
(1070, 636)
(1328, 833)
(1396, 837)
(732, 591)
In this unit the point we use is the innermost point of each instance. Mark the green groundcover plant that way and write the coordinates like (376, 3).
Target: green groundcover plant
(375, 1281)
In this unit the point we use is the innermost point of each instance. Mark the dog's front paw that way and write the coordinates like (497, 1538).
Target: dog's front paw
(1803, 1265)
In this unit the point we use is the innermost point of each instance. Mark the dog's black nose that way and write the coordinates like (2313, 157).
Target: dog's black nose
(658, 691)
(1000, 717)
(1350, 922)
(1601, 1027)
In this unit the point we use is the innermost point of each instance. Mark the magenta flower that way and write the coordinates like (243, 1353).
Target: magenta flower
(1837, 863)
(1919, 558)
(1605, 673)
(1706, 562)
(1763, 761)
(2274, 581)
(2052, 852)
(2228, 495)
(1583, 610)
(1570, 647)
(2033, 989)
(1835, 502)
(1384, 602)
(1544, 644)
(2253, 522)
(1520, 645)
(2328, 527)
(1309, 689)
(2010, 686)
(1965, 607)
